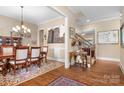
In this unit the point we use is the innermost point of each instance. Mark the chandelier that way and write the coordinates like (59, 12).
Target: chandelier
(22, 30)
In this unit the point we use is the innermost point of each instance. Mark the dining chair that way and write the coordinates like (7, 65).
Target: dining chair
(21, 58)
(1, 66)
(35, 56)
(44, 52)
(7, 50)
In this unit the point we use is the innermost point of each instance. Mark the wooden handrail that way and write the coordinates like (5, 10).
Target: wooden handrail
(84, 39)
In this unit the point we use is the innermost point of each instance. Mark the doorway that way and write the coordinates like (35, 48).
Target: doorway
(41, 38)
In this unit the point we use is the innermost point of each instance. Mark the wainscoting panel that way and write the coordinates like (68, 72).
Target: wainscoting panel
(56, 53)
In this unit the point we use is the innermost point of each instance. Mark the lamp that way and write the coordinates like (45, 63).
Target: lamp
(22, 30)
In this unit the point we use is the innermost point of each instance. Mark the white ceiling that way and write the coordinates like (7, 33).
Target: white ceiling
(95, 13)
(40, 14)
(33, 14)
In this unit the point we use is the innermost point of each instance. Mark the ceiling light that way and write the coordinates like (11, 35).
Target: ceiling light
(83, 34)
(29, 30)
(87, 20)
(18, 28)
(120, 14)
(22, 30)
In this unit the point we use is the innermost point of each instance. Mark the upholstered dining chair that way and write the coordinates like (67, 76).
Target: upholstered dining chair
(21, 58)
(44, 52)
(7, 50)
(35, 56)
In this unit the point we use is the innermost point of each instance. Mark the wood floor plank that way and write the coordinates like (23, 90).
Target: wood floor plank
(101, 74)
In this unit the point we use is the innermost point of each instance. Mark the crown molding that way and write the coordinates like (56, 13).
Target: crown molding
(101, 20)
(50, 20)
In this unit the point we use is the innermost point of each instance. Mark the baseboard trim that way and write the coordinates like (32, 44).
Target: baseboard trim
(108, 59)
(60, 60)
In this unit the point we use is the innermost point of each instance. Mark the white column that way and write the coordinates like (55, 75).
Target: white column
(67, 63)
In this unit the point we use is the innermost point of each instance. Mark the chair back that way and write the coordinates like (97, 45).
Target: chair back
(7, 49)
(35, 52)
(44, 48)
(21, 53)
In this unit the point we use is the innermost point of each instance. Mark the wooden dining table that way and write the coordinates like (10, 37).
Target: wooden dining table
(4, 58)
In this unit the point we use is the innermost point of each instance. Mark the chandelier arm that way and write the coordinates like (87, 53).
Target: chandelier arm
(22, 15)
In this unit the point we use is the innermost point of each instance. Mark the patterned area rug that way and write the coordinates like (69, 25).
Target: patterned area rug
(64, 81)
(33, 71)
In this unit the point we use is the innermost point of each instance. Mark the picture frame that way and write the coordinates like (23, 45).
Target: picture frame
(72, 32)
(54, 35)
(108, 37)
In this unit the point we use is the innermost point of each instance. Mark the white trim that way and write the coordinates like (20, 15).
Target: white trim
(67, 63)
(59, 11)
(55, 26)
(122, 68)
(47, 21)
(100, 20)
(60, 60)
(109, 59)
(105, 19)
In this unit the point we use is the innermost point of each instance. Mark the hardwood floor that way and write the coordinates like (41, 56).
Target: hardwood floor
(101, 74)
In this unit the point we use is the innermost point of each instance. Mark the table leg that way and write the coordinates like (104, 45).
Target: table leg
(4, 70)
(86, 61)
(7, 66)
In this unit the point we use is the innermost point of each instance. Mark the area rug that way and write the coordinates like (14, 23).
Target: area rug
(64, 81)
(33, 71)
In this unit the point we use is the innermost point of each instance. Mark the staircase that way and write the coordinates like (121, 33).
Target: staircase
(84, 43)
(86, 46)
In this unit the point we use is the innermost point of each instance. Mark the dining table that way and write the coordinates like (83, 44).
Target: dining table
(5, 58)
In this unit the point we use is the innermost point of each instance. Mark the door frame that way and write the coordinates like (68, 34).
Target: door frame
(40, 37)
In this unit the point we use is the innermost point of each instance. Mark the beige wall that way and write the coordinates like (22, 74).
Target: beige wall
(89, 36)
(106, 51)
(72, 20)
(6, 24)
(56, 50)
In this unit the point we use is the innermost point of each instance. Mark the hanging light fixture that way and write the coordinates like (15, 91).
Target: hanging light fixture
(22, 30)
